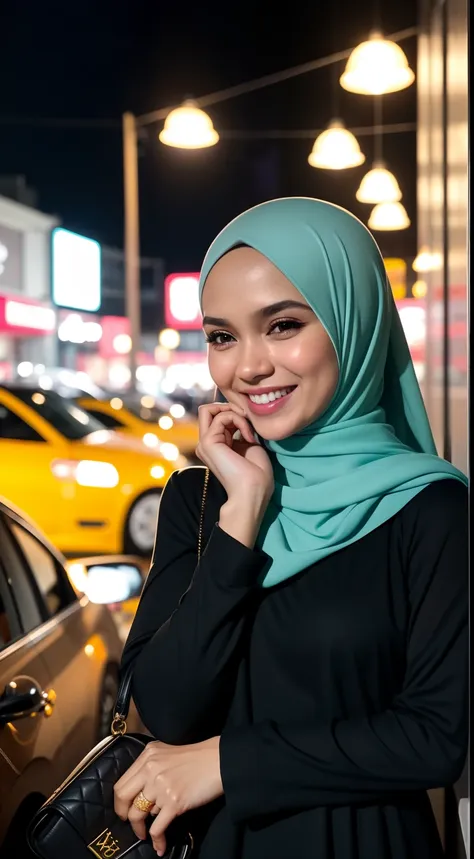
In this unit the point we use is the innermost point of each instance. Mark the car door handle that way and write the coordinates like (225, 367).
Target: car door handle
(16, 704)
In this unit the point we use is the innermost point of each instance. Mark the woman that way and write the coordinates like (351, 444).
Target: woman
(311, 684)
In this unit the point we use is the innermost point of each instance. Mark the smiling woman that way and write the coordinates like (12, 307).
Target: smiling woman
(306, 677)
(269, 354)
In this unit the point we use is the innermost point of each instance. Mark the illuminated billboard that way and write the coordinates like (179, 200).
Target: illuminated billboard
(76, 271)
(182, 310)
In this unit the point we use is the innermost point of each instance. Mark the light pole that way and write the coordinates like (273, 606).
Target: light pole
(131, 238)
(189, 128)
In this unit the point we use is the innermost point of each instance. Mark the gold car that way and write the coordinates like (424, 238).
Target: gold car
(156, 428)
(90, 490)
(59, 661)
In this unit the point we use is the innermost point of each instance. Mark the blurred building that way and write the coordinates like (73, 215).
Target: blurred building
(27, 315)
(443, 270)
(151, 288)
(443, 218)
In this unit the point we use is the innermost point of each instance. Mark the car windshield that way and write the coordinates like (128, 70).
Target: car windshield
(65, 416)
(152, 415)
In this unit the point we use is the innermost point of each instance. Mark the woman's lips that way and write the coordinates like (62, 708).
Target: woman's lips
(271, 407)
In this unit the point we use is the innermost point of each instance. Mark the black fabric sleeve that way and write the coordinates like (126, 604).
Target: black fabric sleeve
(417, 744)
(187, 636)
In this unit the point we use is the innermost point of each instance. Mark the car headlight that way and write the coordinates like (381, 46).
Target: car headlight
(86, 472)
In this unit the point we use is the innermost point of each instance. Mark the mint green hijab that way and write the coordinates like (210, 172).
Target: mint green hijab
(372, 450)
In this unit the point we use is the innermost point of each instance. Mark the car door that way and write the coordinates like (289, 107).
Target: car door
(27, 742)
(26, 476)
(81, 647)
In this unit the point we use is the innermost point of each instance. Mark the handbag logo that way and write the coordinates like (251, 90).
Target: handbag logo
(104, 846)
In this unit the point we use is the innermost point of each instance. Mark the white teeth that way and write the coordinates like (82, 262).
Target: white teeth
(261, 399)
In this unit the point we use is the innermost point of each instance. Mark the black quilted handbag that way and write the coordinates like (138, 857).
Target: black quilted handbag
(78, 821)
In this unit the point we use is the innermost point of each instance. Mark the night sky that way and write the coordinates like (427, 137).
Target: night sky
(96, 58)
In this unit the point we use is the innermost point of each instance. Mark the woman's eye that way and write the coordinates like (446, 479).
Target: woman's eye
(218, 338)
(281, 326)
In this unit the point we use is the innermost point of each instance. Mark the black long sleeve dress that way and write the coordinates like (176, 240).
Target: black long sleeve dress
(340, 695)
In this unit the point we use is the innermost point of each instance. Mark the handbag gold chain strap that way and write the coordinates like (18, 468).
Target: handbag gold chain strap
(119, 724)
(201, 518)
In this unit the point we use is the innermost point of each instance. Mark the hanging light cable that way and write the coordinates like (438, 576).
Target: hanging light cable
(379, 184)
(336, 148)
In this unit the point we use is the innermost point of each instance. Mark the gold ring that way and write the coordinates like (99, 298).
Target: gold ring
(142, 803)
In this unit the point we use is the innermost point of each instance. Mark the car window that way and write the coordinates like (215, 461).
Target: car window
(9, 625)
(64, 415)
(14, 428)
(26, 597)
(52, 582)
(109, 421)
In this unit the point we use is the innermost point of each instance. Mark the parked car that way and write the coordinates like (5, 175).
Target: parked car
(59, 658)
(89, 489)
(152, 423)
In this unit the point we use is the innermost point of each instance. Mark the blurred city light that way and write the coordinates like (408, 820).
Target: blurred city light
(119, 375)
(169, 338)
(419, 289)
(157, 472)
(73, 329)
(151, 440)
(24, 369)
(169, 451)
(177, 411)
(122, 344)
(165, 422)
(147, 401)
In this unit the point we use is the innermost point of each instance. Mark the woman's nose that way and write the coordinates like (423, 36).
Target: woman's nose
(254, 362)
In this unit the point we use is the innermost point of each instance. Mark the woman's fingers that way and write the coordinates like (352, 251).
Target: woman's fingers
(208, 412)
(159, 826)
(137, 821)
(227, 422)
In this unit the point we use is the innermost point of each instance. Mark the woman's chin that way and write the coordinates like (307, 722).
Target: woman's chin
(274, 429)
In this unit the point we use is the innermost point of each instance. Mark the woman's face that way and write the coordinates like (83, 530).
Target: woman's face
(268, 351)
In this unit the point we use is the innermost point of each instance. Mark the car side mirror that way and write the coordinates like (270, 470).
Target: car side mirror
(107, 582)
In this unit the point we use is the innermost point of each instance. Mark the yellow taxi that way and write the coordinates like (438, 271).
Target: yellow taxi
(89, 489)
(156, 427)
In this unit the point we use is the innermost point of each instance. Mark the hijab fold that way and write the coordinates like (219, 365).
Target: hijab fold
(372, 450)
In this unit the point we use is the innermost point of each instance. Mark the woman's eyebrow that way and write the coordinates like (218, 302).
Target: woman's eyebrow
(264, 311)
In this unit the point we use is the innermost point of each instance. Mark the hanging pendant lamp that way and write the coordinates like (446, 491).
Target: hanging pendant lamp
(389, 216)
(336, 149)
(188, 127)
(427, 261)
(377, 66)
(379, 185)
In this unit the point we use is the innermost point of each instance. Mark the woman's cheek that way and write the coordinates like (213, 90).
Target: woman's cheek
(220, 368)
